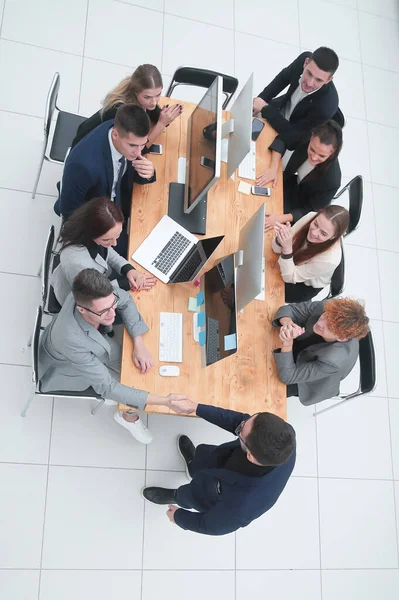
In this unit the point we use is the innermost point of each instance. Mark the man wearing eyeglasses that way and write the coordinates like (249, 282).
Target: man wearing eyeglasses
(76, 351)
(232, 484)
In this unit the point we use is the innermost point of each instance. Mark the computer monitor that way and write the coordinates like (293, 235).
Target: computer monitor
(187, 203)
(251, 250)
(239, 143)
(220, 309)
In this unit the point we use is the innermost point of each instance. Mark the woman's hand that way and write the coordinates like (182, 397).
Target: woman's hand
(169, 114)
(270, 174)
(270, 221)
(284, 236)
(140, 281)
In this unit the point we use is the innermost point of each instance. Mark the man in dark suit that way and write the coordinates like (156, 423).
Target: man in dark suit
(106, 163)
(234, 483)
(311, 175)
(311, 98)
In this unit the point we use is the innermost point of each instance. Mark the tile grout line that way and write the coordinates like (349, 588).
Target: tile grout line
(163, 35)
(395, 569)
(45, 500)
(83, 55)
(381, 304)
(144, 503)
(318, 506)
(2, 17)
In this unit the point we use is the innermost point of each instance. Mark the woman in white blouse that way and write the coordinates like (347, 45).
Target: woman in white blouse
(310, 251)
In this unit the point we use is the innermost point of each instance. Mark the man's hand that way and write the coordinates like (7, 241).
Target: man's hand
(270, 221)
(284, 236)
(169, 113)
(269, 175)
(289, 332)
(141, 356)
(171, 512)
(140, 281)
(257, 105)
(144, 167)
(181, 404)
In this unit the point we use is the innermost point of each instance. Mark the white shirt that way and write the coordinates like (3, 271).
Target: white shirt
(317, 271)
(304, 170)
(116, 156)
(296, 97)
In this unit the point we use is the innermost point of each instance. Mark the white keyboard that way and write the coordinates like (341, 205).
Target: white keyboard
(247, 168)
(170, 337)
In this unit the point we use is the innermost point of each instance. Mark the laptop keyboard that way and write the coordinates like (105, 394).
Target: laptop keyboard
(171, 253)
(188, 270)
(212, 342)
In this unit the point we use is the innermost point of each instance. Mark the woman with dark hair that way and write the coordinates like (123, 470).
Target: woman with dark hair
(143, 88)
(311, 177)
(86, 243)
(310, 251)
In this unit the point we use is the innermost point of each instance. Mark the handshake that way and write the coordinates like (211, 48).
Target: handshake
(181, 404)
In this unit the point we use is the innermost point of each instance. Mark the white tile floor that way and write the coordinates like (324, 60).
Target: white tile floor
(72, 521)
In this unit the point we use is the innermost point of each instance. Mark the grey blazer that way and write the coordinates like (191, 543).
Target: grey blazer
(73, 260)
(320, 368)
(74, 355)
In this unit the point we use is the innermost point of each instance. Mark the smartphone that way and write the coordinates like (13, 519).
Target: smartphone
(155, 149)
(259, 190)
(257, 127)
(207, 162)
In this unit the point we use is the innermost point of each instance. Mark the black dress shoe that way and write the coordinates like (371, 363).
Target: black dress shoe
(159, 495)
(187, 451)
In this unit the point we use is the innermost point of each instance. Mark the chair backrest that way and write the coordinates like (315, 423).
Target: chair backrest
(35, 345)
(367, 360)
(51, 103)
(203, 78)
(339, 118)
(355, 192)
(46, 265)
(338, 278)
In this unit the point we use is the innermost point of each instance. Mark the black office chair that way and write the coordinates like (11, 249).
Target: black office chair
(339, 118)
(36, 391)
(355, 190)
(202, 78)
(368, 372)
(65, 130)
(338, 278)
(51, 260)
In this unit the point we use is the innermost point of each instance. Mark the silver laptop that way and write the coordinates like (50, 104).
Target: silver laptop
(172, 253)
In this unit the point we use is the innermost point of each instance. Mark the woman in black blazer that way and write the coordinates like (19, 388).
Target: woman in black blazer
(144, 88)
(312, 175)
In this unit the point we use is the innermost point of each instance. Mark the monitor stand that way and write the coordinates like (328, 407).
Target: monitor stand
(195, 221)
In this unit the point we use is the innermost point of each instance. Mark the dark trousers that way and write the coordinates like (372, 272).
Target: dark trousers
(299, 292)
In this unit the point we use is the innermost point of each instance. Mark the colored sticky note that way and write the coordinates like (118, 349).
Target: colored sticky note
(202, 338)
(200, 298)
(201, 319)
(192, 305)
(244, 188)
(230, 341)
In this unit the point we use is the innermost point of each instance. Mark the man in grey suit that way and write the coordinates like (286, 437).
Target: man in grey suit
(76, 351)
(319, 346)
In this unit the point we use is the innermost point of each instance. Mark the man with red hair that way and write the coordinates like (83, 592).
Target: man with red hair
(319, 346)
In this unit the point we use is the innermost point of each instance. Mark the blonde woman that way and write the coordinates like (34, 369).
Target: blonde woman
(144, 88)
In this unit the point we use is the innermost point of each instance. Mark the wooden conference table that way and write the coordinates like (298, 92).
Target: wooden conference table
(246, 381)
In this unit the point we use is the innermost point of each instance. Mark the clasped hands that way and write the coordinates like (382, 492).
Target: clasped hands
(289, 331)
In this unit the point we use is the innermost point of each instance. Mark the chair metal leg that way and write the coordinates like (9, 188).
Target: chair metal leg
(97, 407)
(29, 343)
(28, 403)
(40, 170)
(349, 397)
(40, 271)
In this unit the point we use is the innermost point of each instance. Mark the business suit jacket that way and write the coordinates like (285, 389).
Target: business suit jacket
(315, 191)
(227, 500)
(74, 355)
(319, 368)
(315, 109)
(74, 259)
(88, 173)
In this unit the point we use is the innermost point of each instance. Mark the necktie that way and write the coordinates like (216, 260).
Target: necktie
(118, 199)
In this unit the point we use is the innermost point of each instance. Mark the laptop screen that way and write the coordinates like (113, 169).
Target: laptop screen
(220, 309)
